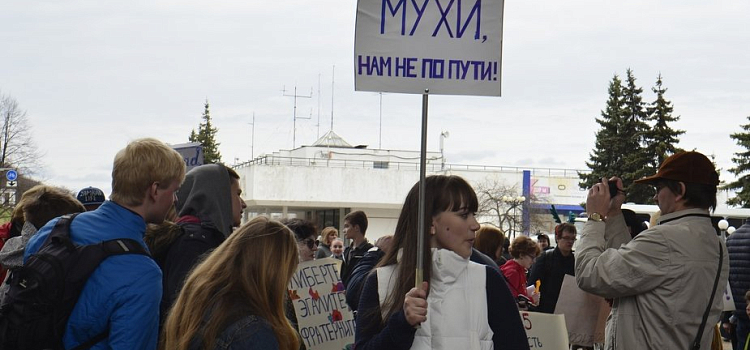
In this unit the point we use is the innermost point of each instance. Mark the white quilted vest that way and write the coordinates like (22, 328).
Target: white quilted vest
(457, 304)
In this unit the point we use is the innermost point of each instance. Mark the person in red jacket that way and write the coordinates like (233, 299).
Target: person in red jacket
(9, 230)
(524, 251)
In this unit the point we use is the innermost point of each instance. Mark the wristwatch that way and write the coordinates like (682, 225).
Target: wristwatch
(596, 217)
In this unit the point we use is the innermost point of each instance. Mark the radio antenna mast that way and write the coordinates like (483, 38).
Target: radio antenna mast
(318, 125)
(333, 75)
(295, 117)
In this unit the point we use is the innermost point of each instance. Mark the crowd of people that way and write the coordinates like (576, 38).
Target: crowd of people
(211, 282)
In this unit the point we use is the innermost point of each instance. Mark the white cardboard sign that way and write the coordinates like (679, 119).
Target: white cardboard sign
(317, 293)
(545, 331)
(451, 47)
(585, 314)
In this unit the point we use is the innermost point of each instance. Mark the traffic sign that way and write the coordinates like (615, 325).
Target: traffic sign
(11, 175)
(10, 184)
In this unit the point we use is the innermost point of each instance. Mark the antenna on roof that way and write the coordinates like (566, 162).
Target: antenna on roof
(295, 117)
(333, 75)
(380, 133)
(318, 125)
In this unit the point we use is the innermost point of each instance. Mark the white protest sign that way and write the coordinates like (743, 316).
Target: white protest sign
(585, 314)
(728, 299)
(545, 331)
(325, 321)
(451, 47)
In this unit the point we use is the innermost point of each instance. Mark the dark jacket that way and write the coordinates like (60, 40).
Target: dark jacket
(249, 332)
(324, 251)
(359, 275)
(481, 258)
(738, 246)
(550, 268)
(204, 205)
(197, 240)
(352, 256)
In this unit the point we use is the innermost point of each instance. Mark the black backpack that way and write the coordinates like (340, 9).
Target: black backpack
(44, 291)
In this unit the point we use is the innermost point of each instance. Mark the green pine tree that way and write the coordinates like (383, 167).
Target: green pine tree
(605, 158)
(661, 139)
(636, 162)
(742, 166)
(206, 136)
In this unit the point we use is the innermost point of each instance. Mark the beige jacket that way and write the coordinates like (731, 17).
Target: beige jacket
(660, 281)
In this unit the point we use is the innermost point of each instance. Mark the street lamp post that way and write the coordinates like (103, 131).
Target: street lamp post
(723, 225)
(514, 202)
(252, 139)
(443, 135)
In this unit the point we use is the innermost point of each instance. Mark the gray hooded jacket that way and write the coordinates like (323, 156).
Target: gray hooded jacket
(205, 195)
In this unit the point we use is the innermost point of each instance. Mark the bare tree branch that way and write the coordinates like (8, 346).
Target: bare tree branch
(17, 149)
(506, 216)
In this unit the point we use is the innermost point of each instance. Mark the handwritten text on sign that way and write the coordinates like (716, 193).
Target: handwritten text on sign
(545, 331)
(447, 46)
(317, 293)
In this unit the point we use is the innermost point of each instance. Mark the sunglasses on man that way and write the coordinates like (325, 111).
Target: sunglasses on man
(310, 243)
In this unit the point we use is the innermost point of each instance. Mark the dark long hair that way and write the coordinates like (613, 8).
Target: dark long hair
(442, 193)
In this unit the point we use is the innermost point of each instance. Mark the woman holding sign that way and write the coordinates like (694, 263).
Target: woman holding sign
(234, 299)
(461, 304)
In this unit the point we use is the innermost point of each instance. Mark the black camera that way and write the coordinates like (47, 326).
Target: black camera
(613, 190)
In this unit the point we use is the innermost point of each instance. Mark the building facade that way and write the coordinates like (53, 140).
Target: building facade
(325, 181)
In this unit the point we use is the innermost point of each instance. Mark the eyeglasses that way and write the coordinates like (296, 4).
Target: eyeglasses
(573, 239)
(310, 243)
(658, 186)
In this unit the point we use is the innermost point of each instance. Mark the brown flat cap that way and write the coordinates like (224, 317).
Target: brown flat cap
(691, 167)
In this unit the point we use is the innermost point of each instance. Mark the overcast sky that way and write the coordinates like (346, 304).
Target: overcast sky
(93, 75)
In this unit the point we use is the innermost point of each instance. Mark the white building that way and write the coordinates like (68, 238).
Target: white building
(325, 181)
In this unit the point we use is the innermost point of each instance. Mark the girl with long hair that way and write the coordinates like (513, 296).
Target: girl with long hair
(461, 304)
(234, 299)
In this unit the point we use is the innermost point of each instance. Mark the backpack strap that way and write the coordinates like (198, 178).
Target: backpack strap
(98, 253)
(93, 341)
(123, 246)
(697, 341)
(95, 254)
(61, 231)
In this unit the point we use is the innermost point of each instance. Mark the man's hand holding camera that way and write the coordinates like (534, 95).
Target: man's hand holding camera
(606, 197)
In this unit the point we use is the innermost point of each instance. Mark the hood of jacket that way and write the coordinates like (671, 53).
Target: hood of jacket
(206, 194)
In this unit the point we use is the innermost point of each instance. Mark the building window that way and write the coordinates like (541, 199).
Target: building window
(380, 165)
(327, 217)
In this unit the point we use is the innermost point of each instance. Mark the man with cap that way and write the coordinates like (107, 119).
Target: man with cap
(91, 198)
(667, 280)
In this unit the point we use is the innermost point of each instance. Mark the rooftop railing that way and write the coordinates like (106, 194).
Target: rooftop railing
(433, 165)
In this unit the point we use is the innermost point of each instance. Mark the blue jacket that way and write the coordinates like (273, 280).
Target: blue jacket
(738, 246)
(123, 292)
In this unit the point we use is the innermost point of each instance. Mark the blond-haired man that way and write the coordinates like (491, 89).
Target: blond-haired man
(120, 301)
